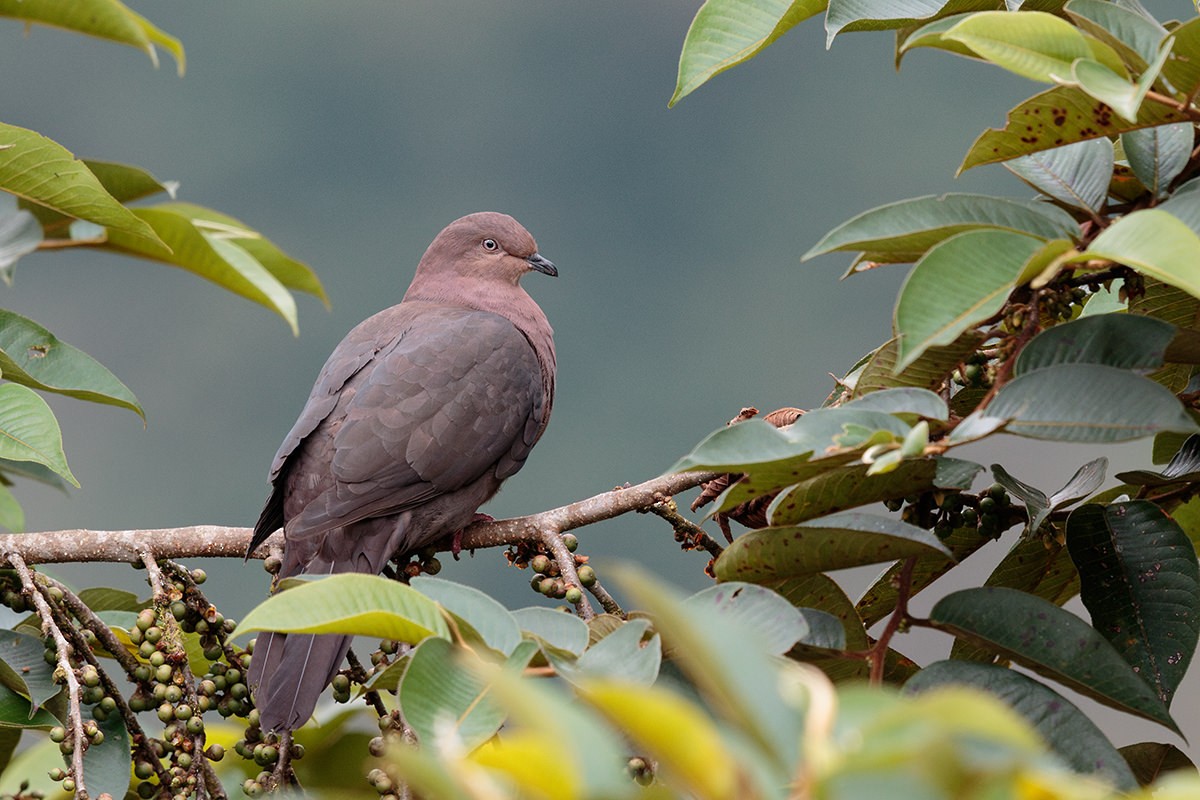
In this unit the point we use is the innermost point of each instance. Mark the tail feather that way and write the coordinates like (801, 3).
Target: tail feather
(286, 697)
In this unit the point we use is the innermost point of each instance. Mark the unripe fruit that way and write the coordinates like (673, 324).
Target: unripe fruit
(587, 576)
(539, 564)
(145, 619)
(570, 541)
(573, 595)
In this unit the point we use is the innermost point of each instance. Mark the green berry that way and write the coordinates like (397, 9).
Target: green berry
(145, 619)
(199, 575)
(540, 564)
(587, 576)
(571, 542)
(215, 752)
(573, 595)
(58, 734)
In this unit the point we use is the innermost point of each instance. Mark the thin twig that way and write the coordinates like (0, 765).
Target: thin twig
(63, 650)
(687, 532)
(877, 655)
(606, 600)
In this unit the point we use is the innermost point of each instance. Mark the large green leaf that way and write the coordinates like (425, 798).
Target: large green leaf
(220, 260)
(956, 285)
(12, 516)
(1140, 582)
(1158, 155)
(905, 230)
(1041, 568)
(726, 33)
(440, 695)
(626, 654)
(45, 172)
(1052, 642)
(20, 235)
(1066, 729)
(17, 712)
(1112, 87)
(1128, 31)
(1033, 44)
(362, 605)
(1153, 241)
(838, 541)
(124, 182)
(29, 431)
(24, 668)
(1184, 467)
(1058, 117)
(33, 356)
(1076, 174)
(106, 19)
(777, 622)
(820, 592)
(1183, 68)
(106, 766)
(1151, 760)
(565, 632)
(885, 14)
(1127, 341)
(1087, 403)
(288, 271)
(929, 371)
(492, 623)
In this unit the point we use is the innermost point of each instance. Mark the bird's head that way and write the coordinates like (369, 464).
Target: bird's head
(488, 247)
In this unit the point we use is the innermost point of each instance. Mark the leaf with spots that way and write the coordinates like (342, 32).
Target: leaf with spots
(838, 541)
(1058, 117)
(1140, 582)
(1151, 760)
(928, 371)
(821, 592)
(33, 356)
(1052, 642)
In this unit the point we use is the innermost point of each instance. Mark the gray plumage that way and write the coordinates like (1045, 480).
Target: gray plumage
(415, 420)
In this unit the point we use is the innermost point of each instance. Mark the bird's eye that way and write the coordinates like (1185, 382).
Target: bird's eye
(490, 245)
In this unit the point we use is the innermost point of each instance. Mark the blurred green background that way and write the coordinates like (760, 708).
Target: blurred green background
(352, 132)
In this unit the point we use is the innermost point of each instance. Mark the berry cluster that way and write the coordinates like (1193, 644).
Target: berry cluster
(943, 512)
(547, 579)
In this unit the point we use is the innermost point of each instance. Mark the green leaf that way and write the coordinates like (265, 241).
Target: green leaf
(493, 624)
(1184, 467)
(20, 235)
(1150, 760)
(9, 739)
(1066, 729)
(361, 605)
(44, 172)
(106, 766)
(34, 471)
(930, 35)
(1032, 44)
(1041, 568)
(1124, 29)
(105, 19)
(124, 182)
(1059, 117)
(219, 260)
(1086, 403)
(905, 230)
(821, 593)
(1141, 584)
(1077, 174)
(33, 356)
(1158, 155)
(849, 539)
(955, 286)
(1053, 643)
(929, 371)
(1108, 87)
(24, 669)
(291, 273)
(1183, 67)
(625, 654)
(1155, 242)
(562, 631)
(904, 400)
(17, 712)
(726, 33)
(12, 516)
(758, 609)
(1126, 341)
(103, 598)
(29, 431)
(850, 14)
(440, 696)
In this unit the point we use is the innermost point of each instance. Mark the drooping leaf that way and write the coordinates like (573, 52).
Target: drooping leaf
(1059, 117)
(362, 605)
(726, 33)
(563, 631)
(17, 712)
(24, 669)
(439, 689)
(1087, 403)
(1111, 87)
(106, 766)
(876, 15)
(626, 654)
(1155, 242)
(1066, 729)
(29, 431)
(219, 260)
(905, 230)
(1158, 155)
(106, 19)
(1183, 467)
(44, 172)
(1039, 505)
(1032, 44)
(1122, 28)
(492, 622)
(1052, 642)
(929, 34)
(1150, 760)
(126, 183)
(1076, 174)
(1140, 582)
(838, 541)
(1127, 341)
(956, 285)
(33, 356)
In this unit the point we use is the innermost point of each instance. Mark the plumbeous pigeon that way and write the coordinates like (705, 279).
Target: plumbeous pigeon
(415, 420)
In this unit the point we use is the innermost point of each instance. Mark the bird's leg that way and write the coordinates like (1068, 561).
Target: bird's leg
(457, 537)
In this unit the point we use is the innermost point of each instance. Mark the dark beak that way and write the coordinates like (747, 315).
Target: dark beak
(543, 265)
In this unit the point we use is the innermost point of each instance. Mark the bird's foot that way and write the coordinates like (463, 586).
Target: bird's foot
(456, 538)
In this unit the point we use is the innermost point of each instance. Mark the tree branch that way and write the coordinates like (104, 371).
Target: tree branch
(216, 541)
